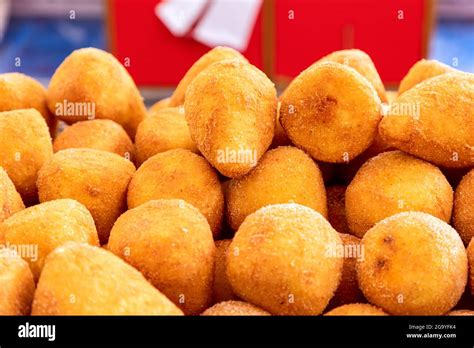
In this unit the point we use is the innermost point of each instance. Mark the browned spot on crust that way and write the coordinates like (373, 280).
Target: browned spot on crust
(324, 108)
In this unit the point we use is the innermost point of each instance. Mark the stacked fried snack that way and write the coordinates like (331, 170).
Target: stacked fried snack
(224, 199)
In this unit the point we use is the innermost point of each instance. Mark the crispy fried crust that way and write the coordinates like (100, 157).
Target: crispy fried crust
(284, 175)
(165, 129)
(179, 174)
(434, 121)
(231, 112)
(95, 178)
(79, 279)
(90, 75)
(393, 182)
(331, 111)
(234, 308)
(171, 244)
(421, 71)
(16, 284)
(356, 309)
(53, 223)
(463, 216)
(20, 91)
(103, 135)
(10, 199)
(414, 264)
(279, 260)
(364, 65)
(217, 54)
(25, 147)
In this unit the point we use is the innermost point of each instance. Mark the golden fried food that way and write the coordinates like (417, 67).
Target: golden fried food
(217, 54)
(235, 308)
(336, 208)
(95, 178)
(179, 174)
(414, 264)
(16, 284)
(80, 279)
(470, 255)
(160, 104)
(434, 121)
(231, 113)
(393, 182)
(163, 130)
(362, 63)
(463, 215)
(47, 226)
(103, 135)
(10, 199)
(421, 71)
(356, 309)
(460, 312)
(171, 244)
(222, 290)
(279, 260)
(348, 290)
(283, 175)
(19, 91)
(25, 147)
(330, 111)
(91, 83)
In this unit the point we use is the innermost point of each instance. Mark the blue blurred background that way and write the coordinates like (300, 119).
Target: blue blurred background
(41, 33)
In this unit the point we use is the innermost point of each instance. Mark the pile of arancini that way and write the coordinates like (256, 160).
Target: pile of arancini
(224, 199)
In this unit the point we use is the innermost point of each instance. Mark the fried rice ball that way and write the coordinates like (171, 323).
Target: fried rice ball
(103, 135)
(421, 71)
(330, 111)
(95, 178)
(393, 182)
(222, 290)
(470, 255)
(235, 308)
(231, 113)
(362, 63)
(414, 264)
(163, 130)
(16, 284)
(283, 175)
(10, 199)
(91, 83)
(80, 279)
(19, 91)
(216, 54)
(179, 174)
(279, 261)
(171, 244)
(160, 104)
(348, 290)
(336, 208)
(434, 121)
(463, 215)
(25, 147)
(53, 223)
(356, 309)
